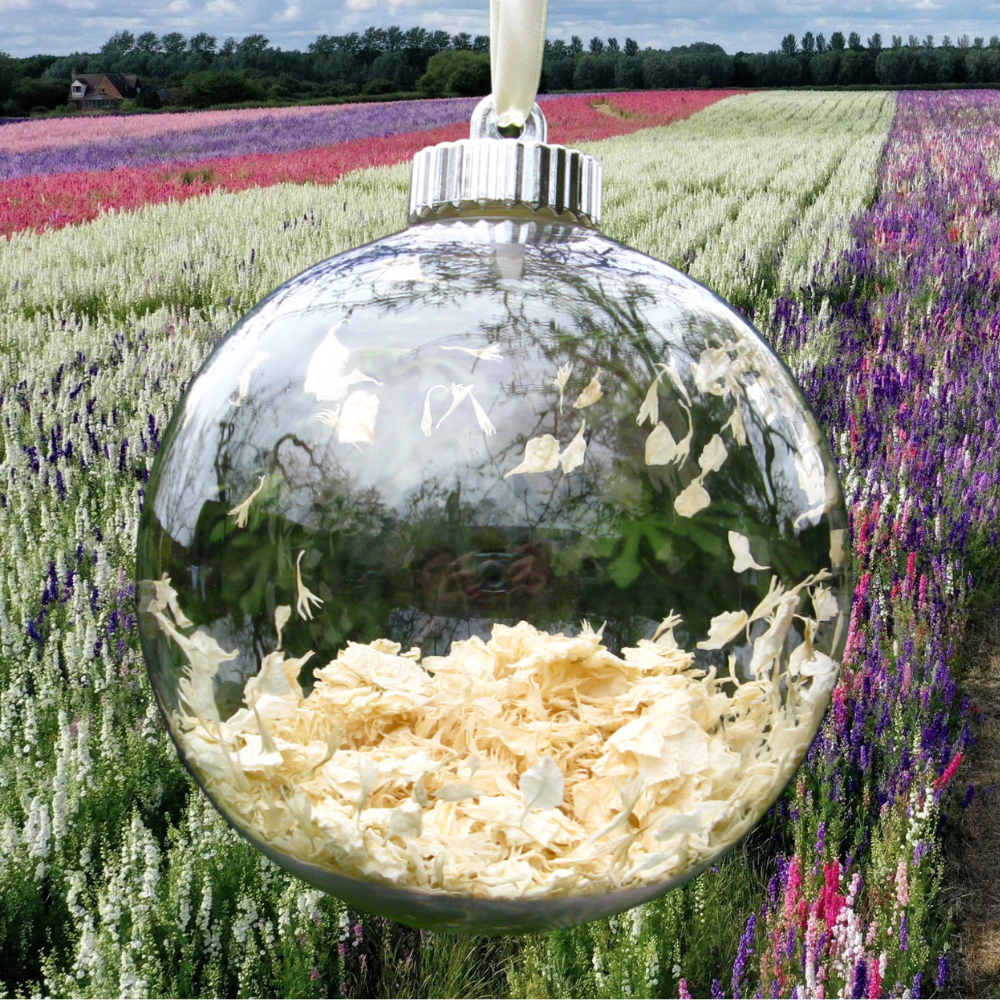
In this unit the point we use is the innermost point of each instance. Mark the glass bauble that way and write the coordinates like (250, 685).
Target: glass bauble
(493, 576)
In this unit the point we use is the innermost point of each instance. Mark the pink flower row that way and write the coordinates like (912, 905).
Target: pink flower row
(39, 202)
(58, 133)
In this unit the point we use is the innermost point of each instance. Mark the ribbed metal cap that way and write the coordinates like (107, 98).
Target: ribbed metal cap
(489, 170)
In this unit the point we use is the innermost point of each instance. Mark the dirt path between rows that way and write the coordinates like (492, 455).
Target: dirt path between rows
(975, 869)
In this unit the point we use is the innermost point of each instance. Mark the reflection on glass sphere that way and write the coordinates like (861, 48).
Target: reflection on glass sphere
(493, 576)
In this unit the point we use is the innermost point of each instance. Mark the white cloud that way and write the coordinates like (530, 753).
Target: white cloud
(360, 5)
(224, 7)
(179, 6)
(15, 5)
(291, 13)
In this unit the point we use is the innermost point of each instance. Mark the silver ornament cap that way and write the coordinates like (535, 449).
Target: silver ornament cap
(490, 170)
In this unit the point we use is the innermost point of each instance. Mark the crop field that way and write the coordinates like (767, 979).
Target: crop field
(860, 232)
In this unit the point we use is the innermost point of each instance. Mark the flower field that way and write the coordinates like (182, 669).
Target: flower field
(858, 230)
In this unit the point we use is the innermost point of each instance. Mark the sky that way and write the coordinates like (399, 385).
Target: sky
(59, 27)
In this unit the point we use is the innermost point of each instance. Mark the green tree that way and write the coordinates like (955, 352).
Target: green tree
(395, 38)
(613, 45)
(774, 70)
(462, 41)
(628, 74)
(854, 42)
(438, 41)
(856, 66)
(576, 45)
(808, 44)
(10, 74)
(825, 68)
(456, 73)
(203, 43)
(631, 47)
(207, 87)
(821, 44)
(149, 42)
(396, 68)
(788, 46)
(596, 46)
(594, 72)
(173, 43)
(118, 44)
(983, 66)
(875, 43)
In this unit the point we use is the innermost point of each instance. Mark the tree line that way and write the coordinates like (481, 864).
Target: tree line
(198, 71)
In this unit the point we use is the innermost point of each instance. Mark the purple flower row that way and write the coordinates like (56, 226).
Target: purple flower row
(909, 390)
(271, 134)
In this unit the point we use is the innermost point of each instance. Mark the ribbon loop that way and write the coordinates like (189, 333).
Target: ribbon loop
(517, 42)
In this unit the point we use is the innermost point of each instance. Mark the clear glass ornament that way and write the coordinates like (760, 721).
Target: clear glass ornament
(493, 576)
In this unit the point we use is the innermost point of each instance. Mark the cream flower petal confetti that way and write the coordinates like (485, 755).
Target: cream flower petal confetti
(838, 546)
(304, 596)
(736, 425)
(165, 597)
(541, 454)
(713, 455)
(675, 376)
(572, 457)
(488, 353)
(650, 409)
(282, 614)
(243, 386)
(458, 393)
(825, 604)
(485, 424)
(242, 510)
(641, 775)
(457, 791)
(542, 786)
(693, 498)
(426, 420)
(326, 368)
(562, 377)
(591, 393)
(767, 647)
(742, 560)
(357, 418)
(724, 628)
(660, 446)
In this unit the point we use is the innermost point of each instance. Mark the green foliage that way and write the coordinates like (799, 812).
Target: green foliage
(594, 72)
(914, 66)
(456, 74)
(202, 90)
(10, 73)
(687, 67)
(773, 70)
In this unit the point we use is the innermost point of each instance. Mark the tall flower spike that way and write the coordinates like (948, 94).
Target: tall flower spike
(305, 595)
(242, 510)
